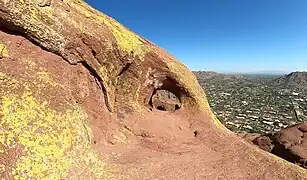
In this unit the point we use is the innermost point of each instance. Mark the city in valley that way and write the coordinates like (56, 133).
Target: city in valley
(256, 103)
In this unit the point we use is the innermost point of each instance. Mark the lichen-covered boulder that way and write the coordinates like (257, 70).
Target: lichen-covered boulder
(77, 101)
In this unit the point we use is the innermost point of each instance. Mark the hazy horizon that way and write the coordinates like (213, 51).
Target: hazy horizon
(272, 72)
(223, 36)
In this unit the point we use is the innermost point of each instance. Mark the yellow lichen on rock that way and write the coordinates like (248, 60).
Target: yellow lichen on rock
(7, 82)
(127, 41)
(37, 21)
(3, 51)
(189, 82)
(44, 77)
(53, 141)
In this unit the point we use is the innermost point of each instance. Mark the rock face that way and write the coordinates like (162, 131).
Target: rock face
(76, 102)
(289, 143)
(294, 79)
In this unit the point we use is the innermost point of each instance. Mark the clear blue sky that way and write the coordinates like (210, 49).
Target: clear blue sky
(221, 35)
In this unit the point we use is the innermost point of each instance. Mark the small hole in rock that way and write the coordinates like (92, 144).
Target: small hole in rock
(95, 142)
(165, 100)
(195, 133)
(161, 108)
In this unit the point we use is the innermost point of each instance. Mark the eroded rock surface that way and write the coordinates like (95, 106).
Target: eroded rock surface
(289, 143)
(76, 98)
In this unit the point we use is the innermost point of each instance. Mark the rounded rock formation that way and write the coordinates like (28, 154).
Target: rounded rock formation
(75, 94)
(289, 143)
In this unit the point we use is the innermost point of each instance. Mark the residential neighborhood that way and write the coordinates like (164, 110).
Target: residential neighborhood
(255, 105)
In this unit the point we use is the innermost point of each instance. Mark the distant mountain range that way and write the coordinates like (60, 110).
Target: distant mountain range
(209, 75)
(294, 79)
(266, 73)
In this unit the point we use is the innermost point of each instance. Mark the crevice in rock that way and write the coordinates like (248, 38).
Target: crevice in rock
(125, 61)
(94, 53)
(124, 69)
(12, 29)
(281, 151)
(94, 73)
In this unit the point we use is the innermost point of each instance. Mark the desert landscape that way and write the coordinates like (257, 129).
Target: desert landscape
(83, 97)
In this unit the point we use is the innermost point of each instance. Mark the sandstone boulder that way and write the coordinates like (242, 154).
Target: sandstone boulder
(289, 143)
(75, 103)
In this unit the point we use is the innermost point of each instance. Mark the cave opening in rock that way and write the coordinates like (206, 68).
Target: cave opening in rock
(166, 97)
(161, 108)
(164, 100)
